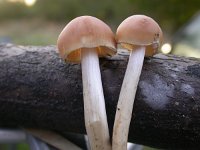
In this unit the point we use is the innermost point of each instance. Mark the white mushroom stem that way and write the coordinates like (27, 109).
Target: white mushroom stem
(94, 104)
(126, 99)
(53, 139)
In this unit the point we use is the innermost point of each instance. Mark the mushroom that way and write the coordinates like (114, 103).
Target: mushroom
(52, 138)
(84, 39)
(140, 35)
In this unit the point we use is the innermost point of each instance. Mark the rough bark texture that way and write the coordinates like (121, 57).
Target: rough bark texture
(37, 89)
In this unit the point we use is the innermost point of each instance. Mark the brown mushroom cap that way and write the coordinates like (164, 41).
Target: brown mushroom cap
(139, 30)
(85, 32)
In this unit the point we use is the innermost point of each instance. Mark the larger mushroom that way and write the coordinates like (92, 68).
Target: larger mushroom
(141, 36)
(84, 39)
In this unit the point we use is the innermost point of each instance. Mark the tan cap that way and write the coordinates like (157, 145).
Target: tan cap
(139, 30)
(85, 32)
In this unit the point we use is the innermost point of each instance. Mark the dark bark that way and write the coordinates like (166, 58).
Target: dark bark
(37, 89)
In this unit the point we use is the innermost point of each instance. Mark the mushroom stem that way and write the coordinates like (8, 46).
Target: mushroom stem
(53, 139)
(126, 99)
(94, 104)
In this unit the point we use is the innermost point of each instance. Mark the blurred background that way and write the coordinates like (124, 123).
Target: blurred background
(39, 22)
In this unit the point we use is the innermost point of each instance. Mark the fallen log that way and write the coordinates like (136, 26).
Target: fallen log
(39, 90)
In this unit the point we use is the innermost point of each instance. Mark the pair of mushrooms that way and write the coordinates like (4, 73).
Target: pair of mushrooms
(83, 40)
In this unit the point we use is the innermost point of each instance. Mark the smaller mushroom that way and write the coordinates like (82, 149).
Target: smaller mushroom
(140, 35)
(84, 39)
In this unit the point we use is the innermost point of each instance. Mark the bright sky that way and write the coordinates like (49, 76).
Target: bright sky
(27, 2)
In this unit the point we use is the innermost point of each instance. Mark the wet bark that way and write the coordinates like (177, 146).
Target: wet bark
(38, 89)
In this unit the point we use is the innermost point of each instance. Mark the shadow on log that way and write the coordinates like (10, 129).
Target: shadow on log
(37, 89)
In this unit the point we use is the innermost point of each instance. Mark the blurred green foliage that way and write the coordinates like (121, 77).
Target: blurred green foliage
(169, 13)
(17, 146)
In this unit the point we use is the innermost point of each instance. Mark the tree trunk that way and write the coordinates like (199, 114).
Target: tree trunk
(38, 89)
